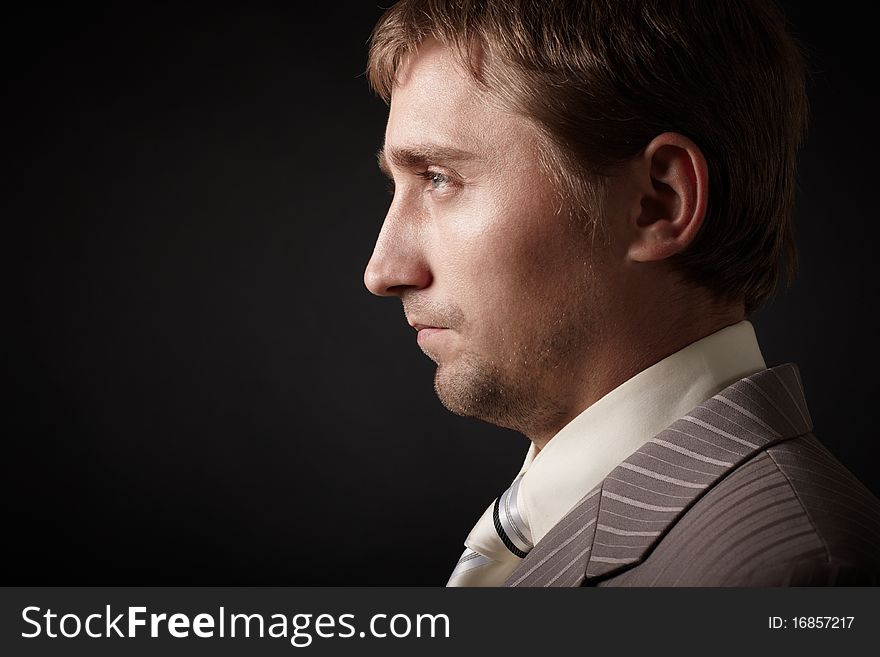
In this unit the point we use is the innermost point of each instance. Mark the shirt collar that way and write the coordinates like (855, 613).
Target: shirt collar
(589, 447)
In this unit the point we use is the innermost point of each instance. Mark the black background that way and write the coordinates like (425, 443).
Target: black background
(201, 389)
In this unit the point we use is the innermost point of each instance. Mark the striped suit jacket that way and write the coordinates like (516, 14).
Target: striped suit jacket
(738, 492)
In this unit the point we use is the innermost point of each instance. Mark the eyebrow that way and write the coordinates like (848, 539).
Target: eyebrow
(418, 156)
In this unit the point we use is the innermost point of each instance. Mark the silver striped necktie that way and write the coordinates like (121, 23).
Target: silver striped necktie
(496, 545)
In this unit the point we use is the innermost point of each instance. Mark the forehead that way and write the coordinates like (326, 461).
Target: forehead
(436, 101)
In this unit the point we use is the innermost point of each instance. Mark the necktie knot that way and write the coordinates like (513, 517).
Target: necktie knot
(498, 542)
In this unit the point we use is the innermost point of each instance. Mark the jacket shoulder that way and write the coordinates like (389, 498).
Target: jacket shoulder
(790, 515)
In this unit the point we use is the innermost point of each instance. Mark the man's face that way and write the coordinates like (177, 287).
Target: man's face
(502, 283)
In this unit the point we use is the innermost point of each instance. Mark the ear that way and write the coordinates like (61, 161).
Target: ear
(673, 181)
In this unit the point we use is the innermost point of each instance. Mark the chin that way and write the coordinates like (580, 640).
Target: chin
(461, 387)
(473, 389)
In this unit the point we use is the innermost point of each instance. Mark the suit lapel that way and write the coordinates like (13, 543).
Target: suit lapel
(615, 526)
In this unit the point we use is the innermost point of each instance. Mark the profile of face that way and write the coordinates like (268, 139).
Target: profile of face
(504, 287)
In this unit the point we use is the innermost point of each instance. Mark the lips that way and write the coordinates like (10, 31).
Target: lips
(428, 333)
(425, 327)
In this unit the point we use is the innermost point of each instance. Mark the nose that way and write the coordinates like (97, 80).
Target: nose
(398, 263)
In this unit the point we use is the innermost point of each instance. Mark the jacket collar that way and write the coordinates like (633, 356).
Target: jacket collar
(616, 525)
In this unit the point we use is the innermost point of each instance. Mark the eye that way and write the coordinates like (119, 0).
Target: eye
(438, 180)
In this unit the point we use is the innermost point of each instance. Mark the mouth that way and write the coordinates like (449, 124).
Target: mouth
(427, 332)
(425, 327)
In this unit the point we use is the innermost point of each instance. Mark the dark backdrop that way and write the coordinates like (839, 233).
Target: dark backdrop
(202, 390)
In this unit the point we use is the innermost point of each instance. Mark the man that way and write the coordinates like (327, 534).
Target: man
(590, 198)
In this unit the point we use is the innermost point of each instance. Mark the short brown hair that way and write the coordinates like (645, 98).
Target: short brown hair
(601, 78)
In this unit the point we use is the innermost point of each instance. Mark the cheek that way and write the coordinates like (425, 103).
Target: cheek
(503, 256)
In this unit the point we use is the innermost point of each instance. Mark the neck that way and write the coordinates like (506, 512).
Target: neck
(629, 348)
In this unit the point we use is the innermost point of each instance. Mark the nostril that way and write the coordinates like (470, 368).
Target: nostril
(398, 290)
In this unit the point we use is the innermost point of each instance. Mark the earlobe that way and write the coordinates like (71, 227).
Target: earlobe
(673, 198)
